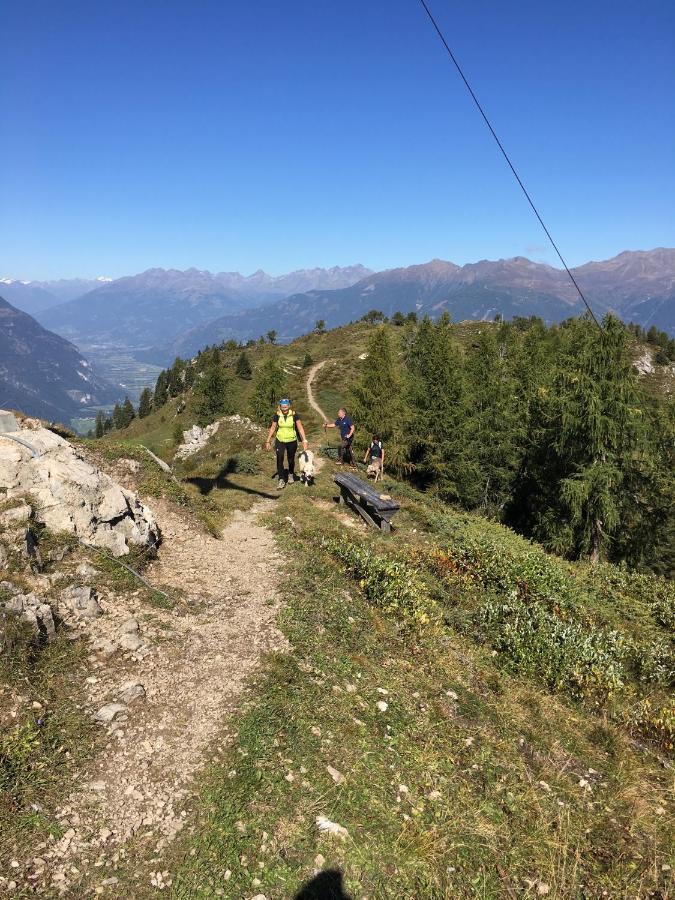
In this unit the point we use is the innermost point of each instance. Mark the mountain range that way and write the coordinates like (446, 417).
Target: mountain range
(159, 305)
(41, 373)
(638, 286)
(161, 313)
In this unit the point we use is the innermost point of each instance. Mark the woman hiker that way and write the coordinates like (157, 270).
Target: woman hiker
(346, 426)
(287, 425)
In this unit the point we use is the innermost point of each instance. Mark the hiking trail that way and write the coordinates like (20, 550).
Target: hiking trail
(310, 393)
(195, 663)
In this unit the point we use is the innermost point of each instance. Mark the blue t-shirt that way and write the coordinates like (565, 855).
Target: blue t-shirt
(345, 426)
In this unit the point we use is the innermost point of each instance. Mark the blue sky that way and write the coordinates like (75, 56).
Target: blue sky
(138, 133)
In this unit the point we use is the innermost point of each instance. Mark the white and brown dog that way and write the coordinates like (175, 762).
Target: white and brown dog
(307, 467)
(374, 469)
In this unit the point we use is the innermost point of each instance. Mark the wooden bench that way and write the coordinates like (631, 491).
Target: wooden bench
(363, 499)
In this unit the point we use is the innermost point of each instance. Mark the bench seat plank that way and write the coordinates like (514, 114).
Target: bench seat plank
(360, 489)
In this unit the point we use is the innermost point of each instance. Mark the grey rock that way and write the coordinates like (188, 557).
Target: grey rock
(80, 601)
(4, 557)
(73, 495)
(33, 610)
(17, 515)
(109, 712)
(130, 641)
(129, 627)
(86, 570)
(131, 692)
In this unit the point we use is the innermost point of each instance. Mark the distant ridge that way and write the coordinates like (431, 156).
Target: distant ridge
(160, 304)
(636, 285)
(42, 374)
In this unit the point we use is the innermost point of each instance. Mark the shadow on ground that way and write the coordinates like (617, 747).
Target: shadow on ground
(221, 481)
(326, 885)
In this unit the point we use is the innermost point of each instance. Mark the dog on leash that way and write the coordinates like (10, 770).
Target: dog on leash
(374, 469)
(307, 467)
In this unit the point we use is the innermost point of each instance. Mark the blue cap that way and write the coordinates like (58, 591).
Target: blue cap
(285, 402)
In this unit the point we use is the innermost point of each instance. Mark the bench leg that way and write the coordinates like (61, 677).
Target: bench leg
(385, 526)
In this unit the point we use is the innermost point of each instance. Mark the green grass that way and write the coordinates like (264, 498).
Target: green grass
(46, 741)
(491, 796)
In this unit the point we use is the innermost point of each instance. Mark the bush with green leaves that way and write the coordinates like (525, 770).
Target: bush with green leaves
(392, 585)
(566, 656)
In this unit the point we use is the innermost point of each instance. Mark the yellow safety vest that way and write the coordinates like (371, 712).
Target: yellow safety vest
(286, 427)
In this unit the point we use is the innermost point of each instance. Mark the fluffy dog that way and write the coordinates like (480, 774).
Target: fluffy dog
(374, 469)
(307, 467)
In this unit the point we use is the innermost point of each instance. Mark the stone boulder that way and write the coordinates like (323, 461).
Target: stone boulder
(31, 609)
(73, 495)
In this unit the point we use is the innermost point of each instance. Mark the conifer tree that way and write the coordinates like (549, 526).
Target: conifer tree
(375, 403)
(588, 443)
(175, 377)
(243, 367)
(268, 387)
(161, 394)
(272, 336)
(438, 401)
(496, 426)
(117, 416)
(320, 327)
(307, 360)
(189, 375)
(128, 412)
(212, 395)
(100, 424)
(107, 425)
(145, 403)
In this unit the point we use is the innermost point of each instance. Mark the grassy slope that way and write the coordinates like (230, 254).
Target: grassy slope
(504, 786)
(507, 790)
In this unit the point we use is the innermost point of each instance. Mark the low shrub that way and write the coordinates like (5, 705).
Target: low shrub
(392, 585)
(245, 463)
(566, 656)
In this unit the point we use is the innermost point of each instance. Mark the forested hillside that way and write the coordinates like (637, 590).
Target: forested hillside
(551, 430)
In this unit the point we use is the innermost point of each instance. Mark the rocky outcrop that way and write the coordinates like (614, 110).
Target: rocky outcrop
(73, 495)
(196, 438)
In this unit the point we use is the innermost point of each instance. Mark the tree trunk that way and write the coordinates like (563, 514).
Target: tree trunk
(596, 542)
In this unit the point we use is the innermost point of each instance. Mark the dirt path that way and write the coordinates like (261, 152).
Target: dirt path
(310, 393)
(193, 666)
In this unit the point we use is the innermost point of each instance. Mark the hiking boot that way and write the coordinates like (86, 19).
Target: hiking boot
(282, 484)
(292, 478)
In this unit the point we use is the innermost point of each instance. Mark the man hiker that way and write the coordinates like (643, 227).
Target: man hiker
(346, 426)
(287, 425)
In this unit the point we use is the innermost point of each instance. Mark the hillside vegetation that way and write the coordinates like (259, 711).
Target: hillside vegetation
(475, 716)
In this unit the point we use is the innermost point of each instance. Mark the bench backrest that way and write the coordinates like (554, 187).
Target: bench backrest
(362, 489)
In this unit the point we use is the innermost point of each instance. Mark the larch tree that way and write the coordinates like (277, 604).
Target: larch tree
(145, 403)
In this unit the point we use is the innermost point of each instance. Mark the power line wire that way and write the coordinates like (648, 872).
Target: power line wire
(508, 160)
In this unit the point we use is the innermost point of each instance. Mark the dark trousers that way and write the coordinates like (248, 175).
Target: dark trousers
(290, 449)
(345, 450)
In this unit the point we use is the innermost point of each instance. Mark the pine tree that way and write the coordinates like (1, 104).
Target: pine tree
(212, 395)
(588, 443)
(268, 387)
(145, 403)
(107, 425)
(100, 424)
(128, 412)
(161, 394)
(497, 423)
(243, 367)
(272, 336)
(189, 375)
(117, 417)
(438, 401)
(175, 377)
(320, 327)
(307, 360)
(375, 402)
